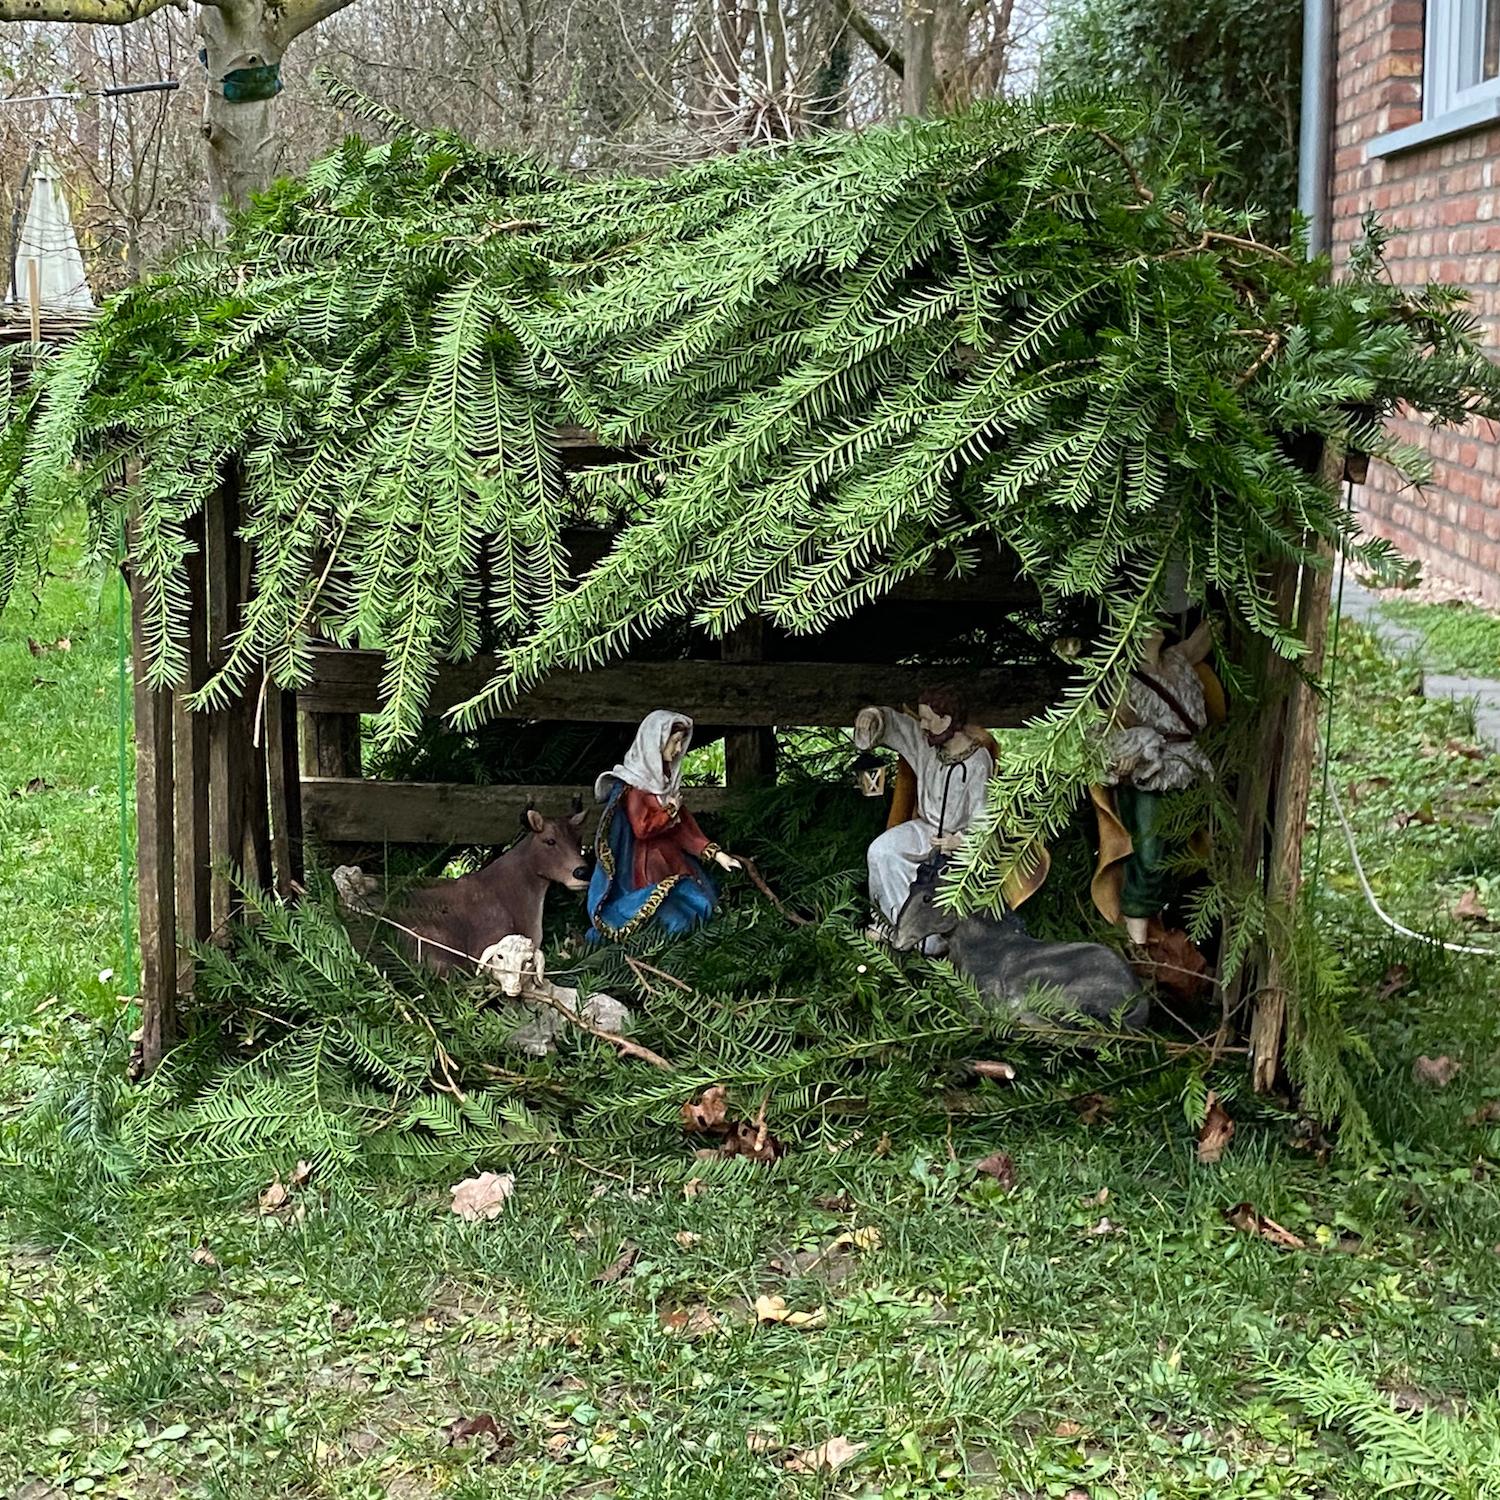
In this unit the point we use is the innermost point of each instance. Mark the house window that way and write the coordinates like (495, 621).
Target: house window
(1462, 66)
(1460, 75)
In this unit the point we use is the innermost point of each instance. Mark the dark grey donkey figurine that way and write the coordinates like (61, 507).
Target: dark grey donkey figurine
(1008, 965)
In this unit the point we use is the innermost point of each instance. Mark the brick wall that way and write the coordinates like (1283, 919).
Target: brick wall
(1439, 203)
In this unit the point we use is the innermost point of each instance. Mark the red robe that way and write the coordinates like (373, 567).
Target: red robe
(663, 840)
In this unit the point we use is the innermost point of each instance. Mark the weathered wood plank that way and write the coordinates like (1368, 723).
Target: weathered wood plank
(728, 693)
(749, 754)
(229, 751)
(283, 790)
(330, 744)
(350, 811)
(155, 864)
(1294, 782)
(191, 776)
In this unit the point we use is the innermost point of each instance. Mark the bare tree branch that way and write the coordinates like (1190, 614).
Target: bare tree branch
(303, 15)
(98, 12)
(864, 28)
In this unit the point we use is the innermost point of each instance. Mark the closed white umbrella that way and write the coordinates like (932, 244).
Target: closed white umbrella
(47, 239)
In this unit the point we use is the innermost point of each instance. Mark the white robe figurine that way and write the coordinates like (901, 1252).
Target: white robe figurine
(952, 769)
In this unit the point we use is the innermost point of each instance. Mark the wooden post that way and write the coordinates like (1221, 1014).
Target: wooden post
(1293, 795)
(239, 833)
(154, 851)
(191, 776)
(749, 754)
(284, 789)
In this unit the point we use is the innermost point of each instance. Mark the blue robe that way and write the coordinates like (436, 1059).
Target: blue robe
(617, 907)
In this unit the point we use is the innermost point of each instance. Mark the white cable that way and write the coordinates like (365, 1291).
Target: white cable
(1375, 907)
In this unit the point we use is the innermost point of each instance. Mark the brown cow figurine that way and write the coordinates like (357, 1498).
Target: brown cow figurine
(464, 917)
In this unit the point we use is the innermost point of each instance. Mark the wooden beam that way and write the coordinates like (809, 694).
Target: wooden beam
(729, 693)
(350, 811)
(155, 851)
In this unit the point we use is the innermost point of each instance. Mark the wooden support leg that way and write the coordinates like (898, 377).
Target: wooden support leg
(749, 754)
(191, 779)
(156, 892)
(1293, 796)
(284, 790)
(239, 823)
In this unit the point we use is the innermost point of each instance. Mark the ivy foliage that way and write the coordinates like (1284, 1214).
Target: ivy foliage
(1237, 63)
(843, 360)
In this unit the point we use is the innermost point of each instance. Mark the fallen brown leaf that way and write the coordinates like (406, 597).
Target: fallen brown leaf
(1470, 908)
(999, 1166)
(835, 1203)
(1469, 752)
(1094, 1107)
(203, 1256)
(686, 1238)
(751, 1138)
(1437, 1071)
(462, 1429)
(482, 1197)
(1423, 815)
(1249, 1218)
(692, 1187)
(301, 1174)
(274, 1198)
(772, 1309)
(1488, 1113)
(689, 1322)
(763, 1442)
(1066, 1430)
(826, 1457)
(1095, 1200)
(627, 1257)
(708, 1111)
(1397, 977)
(1104, 1227)
(1217, 1131)
(883, 1145)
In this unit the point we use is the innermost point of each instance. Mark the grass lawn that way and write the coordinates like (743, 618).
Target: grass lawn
(1100, 1330)
(1456, 636)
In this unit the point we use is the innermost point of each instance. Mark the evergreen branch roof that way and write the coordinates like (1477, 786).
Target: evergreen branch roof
(845, 357)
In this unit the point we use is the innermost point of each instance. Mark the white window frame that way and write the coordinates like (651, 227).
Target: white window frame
(1453, 57)
(1454, 97)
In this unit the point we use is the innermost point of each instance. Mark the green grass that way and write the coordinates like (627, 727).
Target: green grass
(981, 1342)
(1457, 637)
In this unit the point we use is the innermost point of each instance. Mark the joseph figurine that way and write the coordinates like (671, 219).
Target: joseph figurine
(952, 762)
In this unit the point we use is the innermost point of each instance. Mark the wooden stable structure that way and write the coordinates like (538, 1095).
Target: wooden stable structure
(240, 788)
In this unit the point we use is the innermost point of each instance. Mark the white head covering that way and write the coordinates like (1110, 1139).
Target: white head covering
(644, 764)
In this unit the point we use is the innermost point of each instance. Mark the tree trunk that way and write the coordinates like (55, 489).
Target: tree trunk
(920, 73)
(244, 151)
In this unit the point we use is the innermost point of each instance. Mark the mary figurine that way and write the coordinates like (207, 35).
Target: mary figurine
(650, 850)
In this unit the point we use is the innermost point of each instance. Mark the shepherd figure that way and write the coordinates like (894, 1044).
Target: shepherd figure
(650, 850)
(951, 762)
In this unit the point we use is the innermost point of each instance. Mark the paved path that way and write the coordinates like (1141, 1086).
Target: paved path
(1360, 604)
